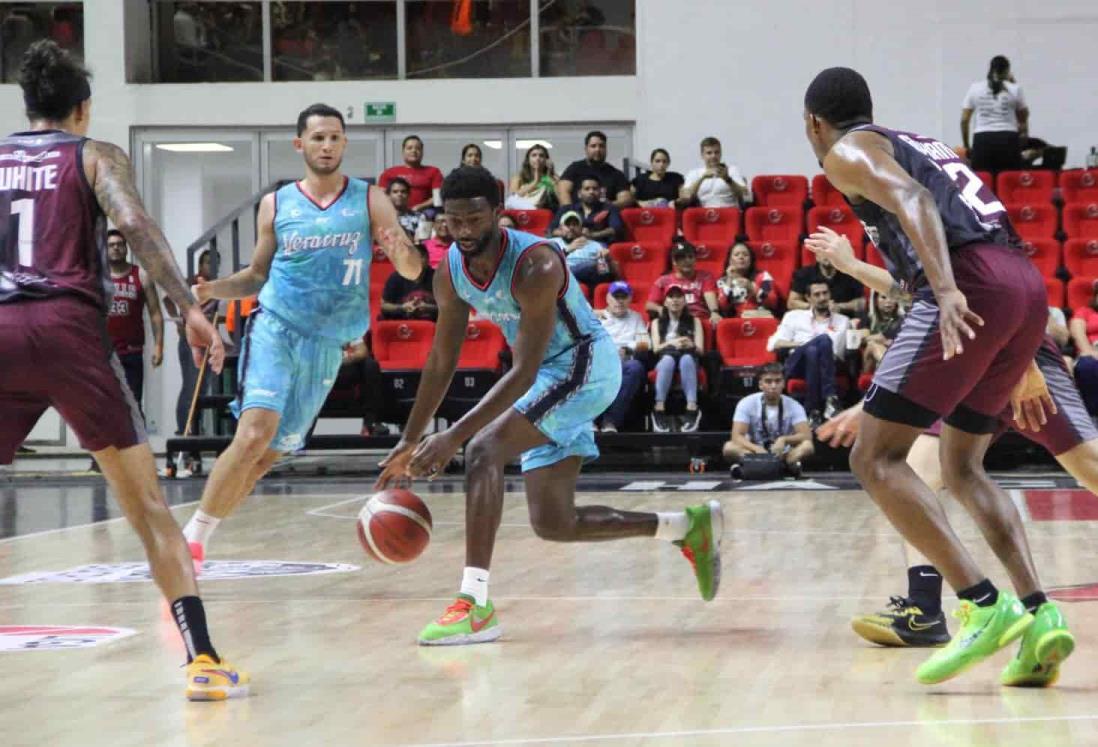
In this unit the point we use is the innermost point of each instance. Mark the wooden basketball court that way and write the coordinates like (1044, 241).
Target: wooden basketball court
(603, 643)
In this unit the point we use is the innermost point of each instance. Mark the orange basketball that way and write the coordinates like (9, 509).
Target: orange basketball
(394, 526)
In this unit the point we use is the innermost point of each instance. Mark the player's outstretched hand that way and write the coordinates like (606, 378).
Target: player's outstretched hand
(834, 247)
(955, 322)
(202, 336)
(1031, 399)
(394, 467)
(201, 290)
(433, 454)
(841, 430)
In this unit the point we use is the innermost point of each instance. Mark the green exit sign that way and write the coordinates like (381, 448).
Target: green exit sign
(380, 111)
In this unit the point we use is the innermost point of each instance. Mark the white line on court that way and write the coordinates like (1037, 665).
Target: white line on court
(1019, 499)
(757, 730)
(44, 532)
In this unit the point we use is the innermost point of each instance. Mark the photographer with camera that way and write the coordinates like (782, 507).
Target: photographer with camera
(770, 434)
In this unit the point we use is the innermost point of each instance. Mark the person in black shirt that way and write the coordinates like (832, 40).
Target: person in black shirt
(658, 187)
(847, 294)
(601, 220)
(615, 187)
(410, 299)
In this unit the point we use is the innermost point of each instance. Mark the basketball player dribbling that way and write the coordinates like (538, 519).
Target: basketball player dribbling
(916, 619)
(57, 190)
(566, 372)
(311, 269)
(947, 240)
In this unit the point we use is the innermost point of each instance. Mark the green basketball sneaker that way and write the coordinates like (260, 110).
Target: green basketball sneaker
(1046, 643)
(463, 622)
(984, 630)
(702, 546)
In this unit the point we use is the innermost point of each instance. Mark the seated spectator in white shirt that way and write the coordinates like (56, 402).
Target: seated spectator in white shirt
(816, 338)
(589, 260)
(629, 332)
(769, 422)
(715, 184)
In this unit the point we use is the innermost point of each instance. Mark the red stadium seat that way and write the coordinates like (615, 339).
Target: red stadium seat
(1079, 185)
(823, 193)
(780, 190)
(840, 219)
(1033, 221)
(1045, 255)
(640, 296)
(987, 178)
(403, 345)
(1025, 187)
(1081, 220)
(1055, 289)
(711, 258)
(774, 224)
(640, 262)
(1080, 292)
(742, 342)
(799, 386)
(650, 225)
(713, 226)
(531, 221)
(379, 273)
(484, 342)
(1081, 257)
(779, 258)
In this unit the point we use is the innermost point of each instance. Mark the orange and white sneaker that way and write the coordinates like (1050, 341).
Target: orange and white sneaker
(463, 622)
(212, 680)
(198, 556)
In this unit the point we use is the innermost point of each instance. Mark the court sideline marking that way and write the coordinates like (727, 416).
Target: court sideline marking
(44, 532)
(757, 730)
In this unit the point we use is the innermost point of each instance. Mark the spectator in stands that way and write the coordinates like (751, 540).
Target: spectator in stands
(1057, 327)
(410, 299)
(360, 371)
(399, 191)
(658, 187)
(1002, 119)
(678, 340)
(715, 183)
(601, 220)
(629, 332)
(535, 186)
(743, 290)
(424, 182)
(879, 328)
(769, 422)
(588, 259)
(506, 221)
(816, 339)
(613, 184)
(440, 241)
(1084, 333)
(847, 294)
(471, 155)
(699, 286)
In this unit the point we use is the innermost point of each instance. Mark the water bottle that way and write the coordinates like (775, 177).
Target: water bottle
(1092, 157)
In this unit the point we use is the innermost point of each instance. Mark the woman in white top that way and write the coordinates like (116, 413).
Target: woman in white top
(1002, 119)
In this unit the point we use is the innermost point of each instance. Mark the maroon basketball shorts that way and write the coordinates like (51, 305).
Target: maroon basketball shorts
(56, 353)
(915, 386)
(1070, 426)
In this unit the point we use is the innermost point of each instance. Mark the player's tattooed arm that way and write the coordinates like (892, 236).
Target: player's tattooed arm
(111, 176)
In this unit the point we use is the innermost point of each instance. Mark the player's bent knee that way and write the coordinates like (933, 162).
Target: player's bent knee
(483, 452)
(254, 440)
(553, 529)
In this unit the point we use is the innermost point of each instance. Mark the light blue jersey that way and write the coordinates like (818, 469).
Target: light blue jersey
(319, 283)
(581, 372)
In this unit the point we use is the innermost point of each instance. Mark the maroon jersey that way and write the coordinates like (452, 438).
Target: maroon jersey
(52, 231)
(125, 317)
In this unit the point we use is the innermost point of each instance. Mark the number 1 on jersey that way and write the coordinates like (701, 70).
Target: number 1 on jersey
(24, 209)
(353, 275)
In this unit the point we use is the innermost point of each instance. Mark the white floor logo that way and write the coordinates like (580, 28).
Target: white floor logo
(57, 637)
(212, 570)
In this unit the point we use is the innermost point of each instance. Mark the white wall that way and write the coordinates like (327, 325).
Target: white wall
(732, 69)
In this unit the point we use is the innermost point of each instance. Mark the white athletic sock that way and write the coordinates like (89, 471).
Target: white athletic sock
(201, 527)
(672, 526)
(474, 583)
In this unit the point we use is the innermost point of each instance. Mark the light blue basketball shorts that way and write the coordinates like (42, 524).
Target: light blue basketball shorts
(570, 391)
(287, 372)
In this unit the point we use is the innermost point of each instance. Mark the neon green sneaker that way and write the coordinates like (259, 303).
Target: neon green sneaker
(1046, 643)
(984, 630)
(702, 546)
(463, 622)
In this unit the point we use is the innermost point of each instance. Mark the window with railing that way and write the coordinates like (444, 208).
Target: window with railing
(321, 40)
(22, 24)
